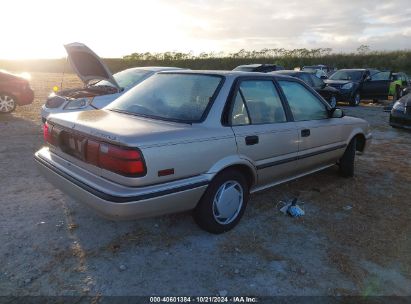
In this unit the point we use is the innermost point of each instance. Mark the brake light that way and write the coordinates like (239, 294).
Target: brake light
(121, 160)
(47, 133)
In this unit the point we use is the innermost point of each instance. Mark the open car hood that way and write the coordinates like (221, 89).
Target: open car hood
(87, 65)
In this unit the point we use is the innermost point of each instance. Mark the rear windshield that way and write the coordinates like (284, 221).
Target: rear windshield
(177, 97)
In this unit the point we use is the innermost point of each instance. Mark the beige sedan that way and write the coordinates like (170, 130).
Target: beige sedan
(197, 140)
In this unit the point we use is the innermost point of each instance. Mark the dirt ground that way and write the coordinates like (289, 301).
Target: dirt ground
(353, 240)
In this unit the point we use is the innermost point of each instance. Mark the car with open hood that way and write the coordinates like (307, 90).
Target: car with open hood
(101, 87)
(14, 91)
(197, 140)
(358, 84)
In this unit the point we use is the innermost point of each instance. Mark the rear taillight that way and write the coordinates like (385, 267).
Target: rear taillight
(47, 133)
(121, 160)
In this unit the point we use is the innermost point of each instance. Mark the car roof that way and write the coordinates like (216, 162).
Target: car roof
(154, 68)
(290, 72)
(227, 73)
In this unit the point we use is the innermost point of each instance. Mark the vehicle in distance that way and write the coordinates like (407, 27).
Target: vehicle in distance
(399, 85)
(328, 93)
(14, 90)
(257, 67)
(321, 71)
(201, 140)
(400, 116)
(100, 86)
(357, 84)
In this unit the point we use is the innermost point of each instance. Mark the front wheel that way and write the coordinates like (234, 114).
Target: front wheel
(7, 103)
(355, 100)
(224, 202)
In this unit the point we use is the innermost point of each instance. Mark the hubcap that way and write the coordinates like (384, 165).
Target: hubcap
(227, 202)
(6, 103)
(333, 101)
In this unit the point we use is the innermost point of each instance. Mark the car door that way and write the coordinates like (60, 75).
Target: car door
(263, 130)
(320, 139)
(377, 86)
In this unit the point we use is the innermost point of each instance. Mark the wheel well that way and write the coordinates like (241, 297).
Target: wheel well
(360, 142)
(246, 171)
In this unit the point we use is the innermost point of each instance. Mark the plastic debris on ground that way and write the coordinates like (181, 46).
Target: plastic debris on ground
(291, 208)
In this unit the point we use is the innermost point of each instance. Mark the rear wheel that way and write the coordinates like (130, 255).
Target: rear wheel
(7, 103)
(346, 162)
(355, 100)
(224, 202)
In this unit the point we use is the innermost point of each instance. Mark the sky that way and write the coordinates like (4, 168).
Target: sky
(31, 29)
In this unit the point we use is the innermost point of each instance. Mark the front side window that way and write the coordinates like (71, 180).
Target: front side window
(304, 105)
(381, 76)
(170, 96)
(262, 102)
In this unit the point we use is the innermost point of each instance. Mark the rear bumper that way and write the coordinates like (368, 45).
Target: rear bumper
(133, 203)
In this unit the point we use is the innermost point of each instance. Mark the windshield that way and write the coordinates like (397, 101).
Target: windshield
(347, 75)
(126, 79)
(178, 97)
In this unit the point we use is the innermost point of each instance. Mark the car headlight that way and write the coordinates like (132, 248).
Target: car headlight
(78, 103)
(347, 86)
(399, 106)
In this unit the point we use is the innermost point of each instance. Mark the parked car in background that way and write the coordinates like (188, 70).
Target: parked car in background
(321, 71)
(257, 67)
(100, 86)
(399, 85)
(357, 84)
(328, 93)
(14, 91)
(400, 116)
(201, 140)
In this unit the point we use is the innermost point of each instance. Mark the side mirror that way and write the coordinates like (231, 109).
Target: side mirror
(323, 77)
(336, 113)
(367, 78)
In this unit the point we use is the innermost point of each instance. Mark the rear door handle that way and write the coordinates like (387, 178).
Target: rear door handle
(251, 140)
(305, 132)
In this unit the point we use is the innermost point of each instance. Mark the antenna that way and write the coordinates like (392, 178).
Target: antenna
(64, 70)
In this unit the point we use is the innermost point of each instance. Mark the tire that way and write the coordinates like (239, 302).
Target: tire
(333, 101)
(346, 162)
(355, 99)
(210, 213)
(7, 103)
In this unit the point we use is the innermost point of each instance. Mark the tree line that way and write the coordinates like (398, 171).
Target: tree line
(363, 57)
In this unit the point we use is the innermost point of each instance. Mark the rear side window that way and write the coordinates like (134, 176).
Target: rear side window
(257, 102)
(304, 105)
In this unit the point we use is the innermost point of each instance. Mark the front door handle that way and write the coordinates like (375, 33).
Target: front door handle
(251, 140)
(305, 132)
